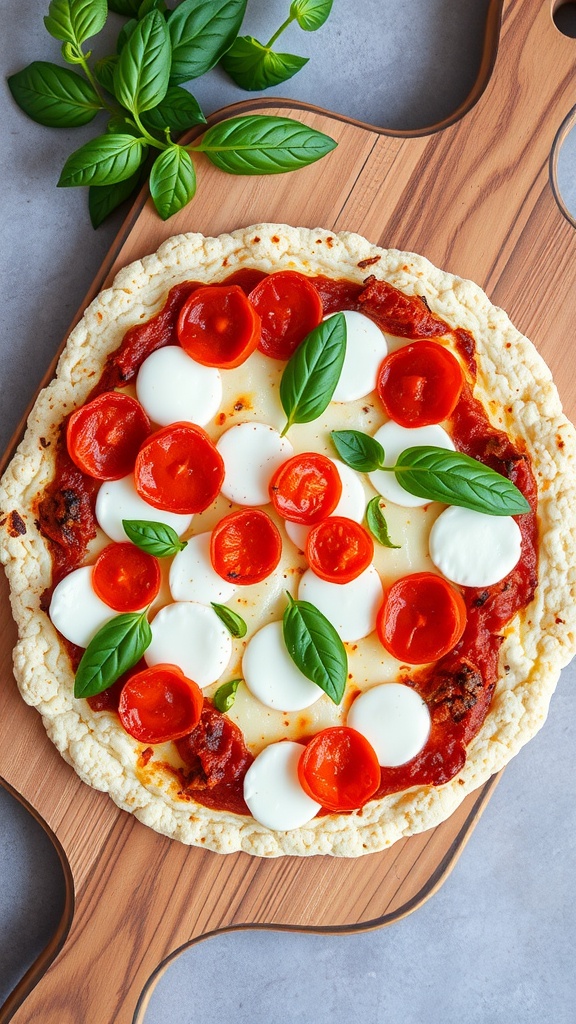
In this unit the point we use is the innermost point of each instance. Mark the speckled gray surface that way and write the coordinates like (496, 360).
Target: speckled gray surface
(496, 943)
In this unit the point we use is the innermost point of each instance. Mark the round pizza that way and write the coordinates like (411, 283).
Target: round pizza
(289, 541)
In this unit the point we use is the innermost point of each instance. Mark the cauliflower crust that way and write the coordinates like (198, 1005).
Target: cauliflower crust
(516, 388)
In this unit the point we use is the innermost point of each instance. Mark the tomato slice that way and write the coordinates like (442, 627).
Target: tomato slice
(289, 307)
(160, 704)
(125, 577)
(104, 436)
(421, 619)
(420, 384)
(338, 549)
(245, 547)
(178, 469)
(306, 488)
(339, 769)
(218, 326)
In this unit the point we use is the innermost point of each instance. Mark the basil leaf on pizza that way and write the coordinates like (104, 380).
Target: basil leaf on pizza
(172, 181)
(358, 450)
(155, 538)
(105, 160)
(117, 647)
(225, 695)
(54, 96)
(313, 371)
(142, 74)
(315, 647)
(457, 479)
(254, 66)
(234, 623)
(310, 14)
(377, 523)
(261, 144)
(201, 33)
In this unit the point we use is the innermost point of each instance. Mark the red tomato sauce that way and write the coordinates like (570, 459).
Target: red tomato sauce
(459, 687)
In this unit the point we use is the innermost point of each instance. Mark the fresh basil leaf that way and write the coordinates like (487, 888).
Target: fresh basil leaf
(253, 66)
(201, 31)
(359, 451)
(377, 524)
(315, 648)
(73, 21)
(117, 646)
(261, 144)
(71, 54)
(141, 77)
(125, 33)
(150, 5)
(225, 695)
(457, 479)
(155, 538)
(105, 160)
(118, 125)
(54, 96)
(178, 111)
(310, 14)
(313, 371)
(172, 181)
(104, 199)
(234, 623)
(129, 8)
(104, 72)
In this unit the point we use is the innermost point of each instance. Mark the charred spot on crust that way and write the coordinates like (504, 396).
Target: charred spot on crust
(368, 262)
(44, 443)
(15, 525)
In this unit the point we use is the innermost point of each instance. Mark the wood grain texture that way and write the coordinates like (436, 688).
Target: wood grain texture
(475, 197)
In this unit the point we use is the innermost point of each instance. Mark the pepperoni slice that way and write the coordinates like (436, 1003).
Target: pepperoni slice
(306, 488)
(125, 577)
(218, 326)
(289, 307)
(160, 704)
(104, 436)
(420, 384)
(338, 549)
(245, 547)
(339, 769)
(179, 470)
(422, 618)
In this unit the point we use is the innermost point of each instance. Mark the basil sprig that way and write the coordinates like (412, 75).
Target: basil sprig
(225, 695)
(315, 647)
(156, 538)
(139, 89)
(234, 623)
(117, 646)
(377, 523)
(435, 474)
(313, 371)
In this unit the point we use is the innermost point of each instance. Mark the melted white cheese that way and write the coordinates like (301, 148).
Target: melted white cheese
(252, 453)
(271, 675)
(350, 607)
(272, 789)
(474, 549)
(395, 721)
(192, 577)
(366, 347)
(75, 610)
(172, 387)
(192, 637)
(119, 499)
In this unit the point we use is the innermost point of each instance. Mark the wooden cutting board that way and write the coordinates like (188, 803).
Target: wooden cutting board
(477, 196)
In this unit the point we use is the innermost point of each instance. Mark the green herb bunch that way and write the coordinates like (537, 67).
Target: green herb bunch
(139, 89)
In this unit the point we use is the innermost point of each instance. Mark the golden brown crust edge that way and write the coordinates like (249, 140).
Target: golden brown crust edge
(538, 643)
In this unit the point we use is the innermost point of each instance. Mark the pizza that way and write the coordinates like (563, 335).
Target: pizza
(289, 542)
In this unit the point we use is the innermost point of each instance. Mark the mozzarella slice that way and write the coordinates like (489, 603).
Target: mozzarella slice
(395, 440)
(350, 607)
(75, 609)
(252, 453)
(365, 349)
(192, 637)
(474, 549)
(271, 675)
(192, 577)
(351, 505)
(272, 789)
(119, 499)
(394, 719)
(172, 387)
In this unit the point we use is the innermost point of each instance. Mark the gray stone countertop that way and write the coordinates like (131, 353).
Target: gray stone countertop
(496, 942)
